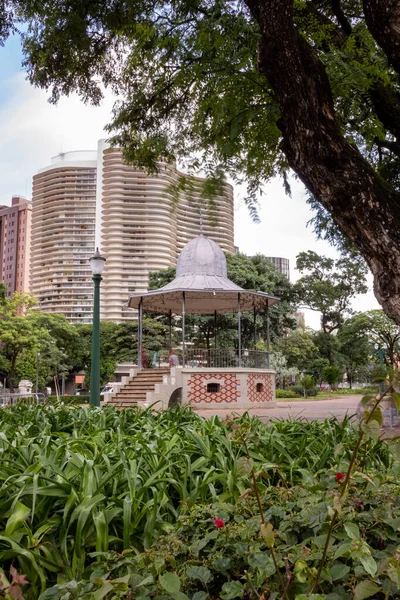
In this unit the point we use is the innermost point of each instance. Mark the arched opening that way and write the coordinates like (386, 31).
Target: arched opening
(176, 398)
(260, 387)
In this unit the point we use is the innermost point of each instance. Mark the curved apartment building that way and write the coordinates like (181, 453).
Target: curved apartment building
(88, 199)
(63, 235)
(142, 230)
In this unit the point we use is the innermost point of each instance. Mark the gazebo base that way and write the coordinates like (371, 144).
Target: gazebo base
(233, 387)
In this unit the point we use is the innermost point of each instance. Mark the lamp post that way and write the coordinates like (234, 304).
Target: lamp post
(37, 371)
(97, 265)
(381, 353)
(63, 375)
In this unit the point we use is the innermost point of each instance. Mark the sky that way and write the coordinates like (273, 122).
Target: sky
(33, 131)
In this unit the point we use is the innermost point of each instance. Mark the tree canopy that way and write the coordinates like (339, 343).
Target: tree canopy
(329, 286)
(252, 87)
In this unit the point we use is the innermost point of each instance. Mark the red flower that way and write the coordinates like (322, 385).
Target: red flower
(340, 476)
(219, 523)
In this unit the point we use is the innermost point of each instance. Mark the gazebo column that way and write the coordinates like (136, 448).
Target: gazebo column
(183, 329)
(215, 330)
(268, 340)
(255, 335)
(239, 333)
(140, 334)
(170, 331)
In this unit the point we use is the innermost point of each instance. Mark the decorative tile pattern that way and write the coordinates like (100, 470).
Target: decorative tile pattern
(266, 395)
(229, 391)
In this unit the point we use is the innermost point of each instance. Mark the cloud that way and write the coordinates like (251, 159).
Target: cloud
(33, 131)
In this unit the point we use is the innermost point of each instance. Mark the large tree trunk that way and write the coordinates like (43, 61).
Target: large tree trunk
(364, 206)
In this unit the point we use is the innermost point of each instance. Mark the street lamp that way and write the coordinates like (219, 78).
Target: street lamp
(37, 371)
(380, 352)
(63, 375)
(97, 265)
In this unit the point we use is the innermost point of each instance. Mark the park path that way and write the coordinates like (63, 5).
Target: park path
(306, 409)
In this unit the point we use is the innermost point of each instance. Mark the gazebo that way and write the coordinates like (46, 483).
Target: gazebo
(213, 375)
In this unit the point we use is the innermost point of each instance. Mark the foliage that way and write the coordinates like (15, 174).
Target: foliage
(299, 390)
(282, 371)
(298, 348)
(285, 393)
(332, 375)
(308, 383)
(236, 561)
(329, 285)
(76, 481)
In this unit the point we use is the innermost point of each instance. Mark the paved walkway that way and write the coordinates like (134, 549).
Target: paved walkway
(306, 409)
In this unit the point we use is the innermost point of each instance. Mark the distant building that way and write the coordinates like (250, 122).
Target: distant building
(63, 235)
(282, 264)
(15, 235)
(88, 199)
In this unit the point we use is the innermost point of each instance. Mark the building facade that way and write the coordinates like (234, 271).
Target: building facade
(63, 235)
(15, 235)
(281, 264)
(94, 199)
(144, 226)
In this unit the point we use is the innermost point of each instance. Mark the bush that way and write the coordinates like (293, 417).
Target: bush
(299, 390)
(285, 394)
(74, 400)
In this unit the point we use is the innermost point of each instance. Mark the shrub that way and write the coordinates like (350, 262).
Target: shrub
(285, 394)
(74, 400)
(299, 390)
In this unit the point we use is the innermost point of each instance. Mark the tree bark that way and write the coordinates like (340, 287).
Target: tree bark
(364, 206)
(383, 21)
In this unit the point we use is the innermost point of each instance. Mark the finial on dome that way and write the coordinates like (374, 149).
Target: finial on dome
(201, 222)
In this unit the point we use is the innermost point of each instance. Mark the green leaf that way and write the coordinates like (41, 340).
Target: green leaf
(365, 589)
(338, 571)
(365, 400)
(369, 565)
(19, 515)
(396, 398)
(352, 530)
(244, 466)
(201, 573)
(103, 591)
(394, 573)
(232, 589)
(268, 534)
(371, 429)
(200, 596)
(170, 582)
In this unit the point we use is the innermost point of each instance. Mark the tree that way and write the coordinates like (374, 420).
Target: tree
(332, 375)
(375, 327)
(329, 286)
(298, 348)
(254, 86)
(18, 331)
(355, 349)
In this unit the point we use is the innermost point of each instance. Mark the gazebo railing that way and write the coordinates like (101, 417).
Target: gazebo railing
(223, 358)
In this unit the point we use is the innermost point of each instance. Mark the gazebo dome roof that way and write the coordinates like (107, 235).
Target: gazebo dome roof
(202, 280)
(201, 256)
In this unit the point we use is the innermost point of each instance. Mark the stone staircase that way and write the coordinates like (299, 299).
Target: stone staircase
(134, 392)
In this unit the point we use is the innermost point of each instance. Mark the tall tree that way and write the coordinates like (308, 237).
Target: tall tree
(251, 86)
(377, 328)
(329, 286)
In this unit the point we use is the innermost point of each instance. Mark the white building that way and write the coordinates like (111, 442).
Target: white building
(88, 199)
